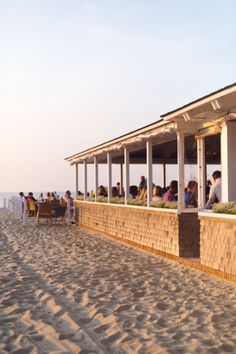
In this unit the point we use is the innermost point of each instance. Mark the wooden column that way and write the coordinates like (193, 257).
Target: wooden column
(228, 161)
(85, 179)
(126, 186)
(149, 171)
(163, 175)
(121, 179)
(95, 177)
(201, 172)
(109, 176)
(181, 156)
(76, 179)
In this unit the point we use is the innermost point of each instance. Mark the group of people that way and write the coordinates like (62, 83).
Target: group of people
(51, 197)
(170, 193)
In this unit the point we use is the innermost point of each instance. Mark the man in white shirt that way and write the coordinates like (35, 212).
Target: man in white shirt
(215, 191)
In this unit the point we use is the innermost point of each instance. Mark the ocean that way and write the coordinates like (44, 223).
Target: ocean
(7, 195)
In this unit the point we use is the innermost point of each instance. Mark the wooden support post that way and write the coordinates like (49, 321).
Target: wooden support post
(126, 158)
(95, 177)
(201, 172)
(228, 161)
(85, 179)
(181, 160)
(121, 179)
(109, 176)
(76, 179)
(163, 175)
(149, 171)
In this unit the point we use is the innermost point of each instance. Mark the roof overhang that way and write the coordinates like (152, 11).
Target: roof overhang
(160, 128)
(192, 118)
(207, 108)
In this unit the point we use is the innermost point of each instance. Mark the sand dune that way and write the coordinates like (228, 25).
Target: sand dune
(64, 290)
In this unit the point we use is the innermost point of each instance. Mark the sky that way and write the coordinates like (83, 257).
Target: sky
(75, 73)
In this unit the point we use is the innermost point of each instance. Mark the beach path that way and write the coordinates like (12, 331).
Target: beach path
(65, 290)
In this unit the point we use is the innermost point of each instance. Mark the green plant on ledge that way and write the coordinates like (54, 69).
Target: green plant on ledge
(164, 205)
(225, 208)
(102, 200)
(79, 197)
(90, 199)
(117, 200)
(137, 202)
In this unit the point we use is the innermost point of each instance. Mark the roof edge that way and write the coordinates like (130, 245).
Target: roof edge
(198, 100)
(113, 140)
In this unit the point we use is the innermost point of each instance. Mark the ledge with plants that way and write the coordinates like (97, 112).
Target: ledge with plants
(225, 208)
(135, 202)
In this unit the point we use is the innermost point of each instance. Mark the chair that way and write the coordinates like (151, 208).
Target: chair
(54, 204)
(44, 212)
(60, 213)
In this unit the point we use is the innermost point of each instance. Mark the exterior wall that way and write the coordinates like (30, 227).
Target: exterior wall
(218, 242)
(189, 235)
(161, 230)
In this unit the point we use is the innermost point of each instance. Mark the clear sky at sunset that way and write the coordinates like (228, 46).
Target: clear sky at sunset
(75, 73)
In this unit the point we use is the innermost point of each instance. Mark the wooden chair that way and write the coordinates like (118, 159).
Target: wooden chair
(60, 213)
(54, 204)
(44, 212)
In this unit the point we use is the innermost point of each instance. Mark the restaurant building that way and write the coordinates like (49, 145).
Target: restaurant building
(202, 132)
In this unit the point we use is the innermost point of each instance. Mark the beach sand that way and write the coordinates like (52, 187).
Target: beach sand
(64, 290)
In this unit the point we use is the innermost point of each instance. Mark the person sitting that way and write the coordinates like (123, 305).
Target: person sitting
(191, 195)
(115, 192)
(133, 192)
(157, 194)
(164, 190)
(215, 191)
(171, 194)
(101, 191)
(120, 189)
(208, 188)
(142, 184)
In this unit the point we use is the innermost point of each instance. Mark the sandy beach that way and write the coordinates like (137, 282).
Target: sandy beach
(64, 290)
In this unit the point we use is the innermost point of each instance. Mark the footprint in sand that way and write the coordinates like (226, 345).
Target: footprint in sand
(162, 306)
(122, 308)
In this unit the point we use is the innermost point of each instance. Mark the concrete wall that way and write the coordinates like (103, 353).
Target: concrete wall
(163, 230)
(218, 242)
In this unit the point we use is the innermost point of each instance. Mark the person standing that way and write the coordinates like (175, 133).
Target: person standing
(215, 191)
(143, 183)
